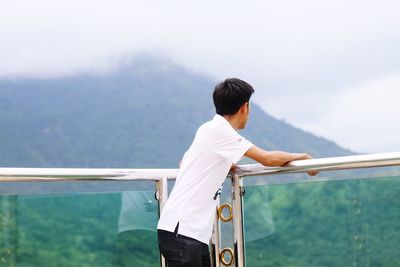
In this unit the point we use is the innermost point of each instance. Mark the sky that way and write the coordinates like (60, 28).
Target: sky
(328, 67)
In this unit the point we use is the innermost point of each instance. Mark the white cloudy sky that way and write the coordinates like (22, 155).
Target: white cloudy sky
(330, 67)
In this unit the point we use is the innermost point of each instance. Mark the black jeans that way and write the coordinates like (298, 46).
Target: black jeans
(183, 251)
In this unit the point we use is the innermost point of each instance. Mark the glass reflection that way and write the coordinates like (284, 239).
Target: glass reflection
(137, 240)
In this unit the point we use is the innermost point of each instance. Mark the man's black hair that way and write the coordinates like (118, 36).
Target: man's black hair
(230, 95)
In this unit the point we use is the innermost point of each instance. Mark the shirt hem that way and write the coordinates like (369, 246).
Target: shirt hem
(184, 233)
(194, 236)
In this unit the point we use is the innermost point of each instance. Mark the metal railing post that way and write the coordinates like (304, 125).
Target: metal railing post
(162, 196)
(215, 242)
(238, 229)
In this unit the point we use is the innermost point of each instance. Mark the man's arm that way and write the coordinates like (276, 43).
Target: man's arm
(275, 158)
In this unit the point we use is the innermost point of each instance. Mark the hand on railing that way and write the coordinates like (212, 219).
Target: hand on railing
(311, 173)
(233, 168)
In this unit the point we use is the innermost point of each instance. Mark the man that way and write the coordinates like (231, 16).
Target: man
(186, 222)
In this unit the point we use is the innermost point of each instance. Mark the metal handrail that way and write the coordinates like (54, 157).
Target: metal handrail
(83, 174)
(92, 174)
(324, 164)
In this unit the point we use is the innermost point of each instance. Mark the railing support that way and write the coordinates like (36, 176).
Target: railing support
(215, 242)
(238, 229)
(162, 196)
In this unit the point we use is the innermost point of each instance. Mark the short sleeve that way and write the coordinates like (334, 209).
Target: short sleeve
(233, 147)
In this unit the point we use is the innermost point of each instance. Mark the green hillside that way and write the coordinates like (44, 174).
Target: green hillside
(143, 114)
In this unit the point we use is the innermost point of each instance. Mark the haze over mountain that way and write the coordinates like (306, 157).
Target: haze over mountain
(142, 114)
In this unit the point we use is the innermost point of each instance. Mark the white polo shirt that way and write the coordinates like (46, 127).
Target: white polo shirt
(203, 170)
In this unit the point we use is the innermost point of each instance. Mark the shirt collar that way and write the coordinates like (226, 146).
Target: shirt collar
(220, 118)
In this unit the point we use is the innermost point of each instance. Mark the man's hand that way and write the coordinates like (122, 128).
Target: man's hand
(276, 158)
(233, 168)
(311, 173)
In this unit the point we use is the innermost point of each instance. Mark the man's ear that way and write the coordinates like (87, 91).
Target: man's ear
(244, 107)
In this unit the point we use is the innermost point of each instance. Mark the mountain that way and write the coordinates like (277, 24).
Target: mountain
(142, 114)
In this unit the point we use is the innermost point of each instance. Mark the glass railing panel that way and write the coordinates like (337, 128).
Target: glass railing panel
(104, 227)
(335, 223)
(226, 228)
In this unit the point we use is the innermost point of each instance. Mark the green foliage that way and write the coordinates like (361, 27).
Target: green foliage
(75, 230)
(343, 223)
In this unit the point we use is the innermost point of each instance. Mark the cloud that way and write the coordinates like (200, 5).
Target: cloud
(367, 117)
(257, 40)
(46, 38)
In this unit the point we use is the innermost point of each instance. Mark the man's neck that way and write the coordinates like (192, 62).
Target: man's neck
(233, 120)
